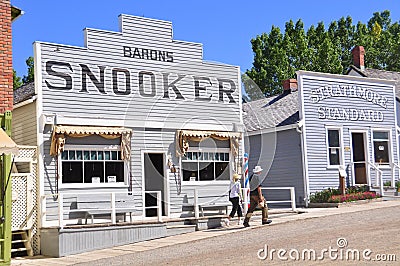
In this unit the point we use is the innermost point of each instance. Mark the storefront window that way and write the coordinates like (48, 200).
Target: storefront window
(92, 166)
(205, 166)
(381, 147)
(334, 149)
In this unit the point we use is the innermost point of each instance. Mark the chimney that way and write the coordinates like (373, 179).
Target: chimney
(289, 85)
(358, 53)
(6, 70)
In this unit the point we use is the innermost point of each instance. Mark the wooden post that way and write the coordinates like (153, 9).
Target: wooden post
(196, 204)
(113, 215)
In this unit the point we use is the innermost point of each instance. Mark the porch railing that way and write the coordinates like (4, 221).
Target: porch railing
(63, 199)
(292, 200)
(394, 166)
(379, 177)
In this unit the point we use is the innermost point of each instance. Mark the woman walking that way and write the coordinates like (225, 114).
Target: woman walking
(235, 196)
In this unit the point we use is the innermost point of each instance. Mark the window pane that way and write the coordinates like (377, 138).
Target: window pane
(227, 157)
(200, 154)
(216, 156)
(119, 155)
(221, 156)
(79, 155)
(205, 156)
(206, 171)
(115, 169)
(72, 172)
(194, 156)
(189, 156)
(71, 155)
(93, 155)
(107, 155)
(64, 155)
(94, 169)
(381, 151)
(334, 156)
(189, 171)
(222, 170)
(99, 155)
(86, 155)
(333, 138)
(381, 135)
(114, 155)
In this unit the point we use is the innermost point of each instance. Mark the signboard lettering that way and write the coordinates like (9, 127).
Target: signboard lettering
(121, 82)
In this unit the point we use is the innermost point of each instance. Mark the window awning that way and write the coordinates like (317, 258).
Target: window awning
(183, 137)
(7, 145)
(89, 130)
(213, 134)
(59, 133)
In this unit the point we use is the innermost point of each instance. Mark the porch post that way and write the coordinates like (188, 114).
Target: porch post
(195, 204)
(113, 216)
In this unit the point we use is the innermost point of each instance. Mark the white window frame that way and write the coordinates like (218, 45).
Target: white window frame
(390, 150)
(215, 150)
(341, 150)
(68, 147)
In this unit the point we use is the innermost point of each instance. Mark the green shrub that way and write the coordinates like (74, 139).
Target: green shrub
(353, 193)
(324, 195)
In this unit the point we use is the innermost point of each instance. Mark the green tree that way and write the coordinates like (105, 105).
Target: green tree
(17, 82)
(31, 71)
(277, 56)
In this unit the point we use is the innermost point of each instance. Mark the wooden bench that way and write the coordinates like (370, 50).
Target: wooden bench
(207, 201)
(89, 207)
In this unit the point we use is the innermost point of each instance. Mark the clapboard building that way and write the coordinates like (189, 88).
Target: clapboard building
(320, 124)
(135, 117)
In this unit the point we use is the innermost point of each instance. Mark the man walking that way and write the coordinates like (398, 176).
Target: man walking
(256, 197)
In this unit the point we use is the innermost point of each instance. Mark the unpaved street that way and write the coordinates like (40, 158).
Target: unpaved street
(377, 230)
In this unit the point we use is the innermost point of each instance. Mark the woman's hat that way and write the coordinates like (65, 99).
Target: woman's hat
(257, 169)
(236, 177)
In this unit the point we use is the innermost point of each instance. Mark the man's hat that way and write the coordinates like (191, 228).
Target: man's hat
(257, 169)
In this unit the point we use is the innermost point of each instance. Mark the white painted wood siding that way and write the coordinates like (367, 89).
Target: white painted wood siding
(319, 175)
(105, 48)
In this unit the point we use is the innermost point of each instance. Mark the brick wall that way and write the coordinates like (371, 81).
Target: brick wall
(6, 70)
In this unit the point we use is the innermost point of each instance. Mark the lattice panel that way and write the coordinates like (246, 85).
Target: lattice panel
(27, 153)
(25, 209)
(20, 205)
(35, 210)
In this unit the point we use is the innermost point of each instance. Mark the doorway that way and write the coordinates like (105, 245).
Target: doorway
(154, 166)
(359, 162)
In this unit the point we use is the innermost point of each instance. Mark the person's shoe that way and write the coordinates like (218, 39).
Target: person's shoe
(246, 224)
(226, 221)
(267, 222)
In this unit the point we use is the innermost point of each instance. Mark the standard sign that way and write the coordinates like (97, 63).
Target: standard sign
(349, 114)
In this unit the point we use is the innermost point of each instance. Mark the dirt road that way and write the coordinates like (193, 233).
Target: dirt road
(337, 239)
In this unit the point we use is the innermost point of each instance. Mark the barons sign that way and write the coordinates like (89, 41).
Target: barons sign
(226, 87)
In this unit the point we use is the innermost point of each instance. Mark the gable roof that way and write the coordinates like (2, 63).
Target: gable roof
(275, 111)
(381, 74)
(25, 92)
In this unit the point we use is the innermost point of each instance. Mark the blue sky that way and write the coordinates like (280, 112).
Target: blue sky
(224, 27)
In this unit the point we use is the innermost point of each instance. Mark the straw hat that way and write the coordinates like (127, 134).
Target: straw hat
(257, 169)
(236, 177)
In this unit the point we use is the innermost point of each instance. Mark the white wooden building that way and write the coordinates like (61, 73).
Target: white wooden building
(134, 118)
(324, 123)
